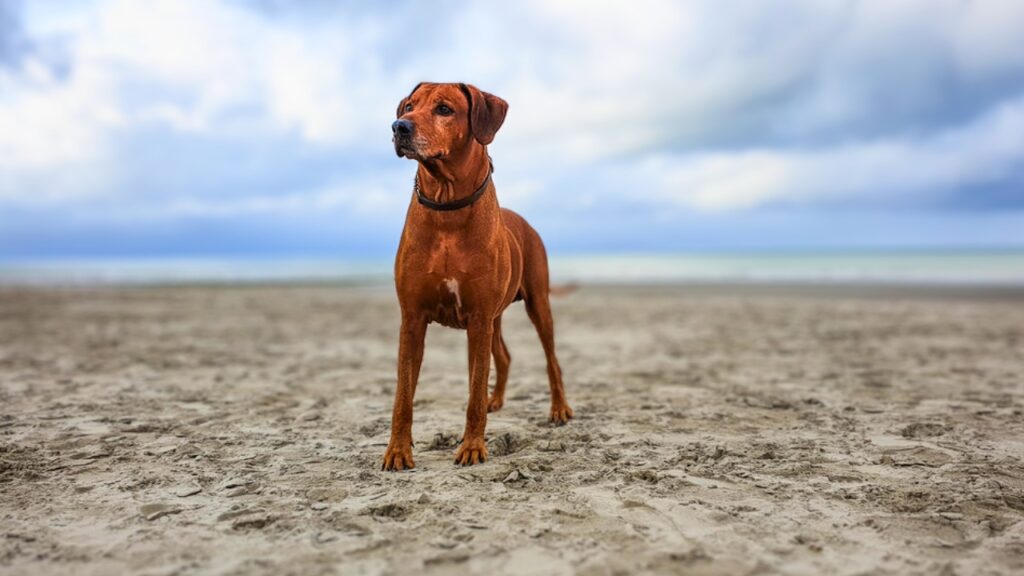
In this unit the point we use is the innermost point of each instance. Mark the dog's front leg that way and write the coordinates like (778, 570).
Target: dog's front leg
(410, 357)
(473, 449)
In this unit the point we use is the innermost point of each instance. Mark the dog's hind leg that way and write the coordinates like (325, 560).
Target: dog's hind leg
(539, 309)
(502, 359)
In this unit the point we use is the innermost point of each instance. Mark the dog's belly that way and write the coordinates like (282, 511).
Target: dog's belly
(513, 291)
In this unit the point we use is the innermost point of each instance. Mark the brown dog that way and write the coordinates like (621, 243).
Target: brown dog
(462, 259)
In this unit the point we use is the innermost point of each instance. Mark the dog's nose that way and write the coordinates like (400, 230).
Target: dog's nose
(402, 127)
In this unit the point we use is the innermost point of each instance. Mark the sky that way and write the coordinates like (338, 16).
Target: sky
(262, 128)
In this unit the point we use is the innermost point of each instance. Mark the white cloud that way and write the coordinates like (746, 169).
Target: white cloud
(986, 150)
(52, 135)
(190, 65)
(717, 105)
(352, 197)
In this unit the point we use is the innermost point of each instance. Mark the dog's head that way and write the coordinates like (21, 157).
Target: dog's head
(436, 121)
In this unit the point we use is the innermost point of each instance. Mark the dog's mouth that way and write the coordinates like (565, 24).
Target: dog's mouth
(406, 149)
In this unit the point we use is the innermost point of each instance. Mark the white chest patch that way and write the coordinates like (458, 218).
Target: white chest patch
(453, 286)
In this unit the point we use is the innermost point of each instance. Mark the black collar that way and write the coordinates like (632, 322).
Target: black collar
(455, 204)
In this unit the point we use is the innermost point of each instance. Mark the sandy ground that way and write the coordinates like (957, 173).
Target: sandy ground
(239, 430)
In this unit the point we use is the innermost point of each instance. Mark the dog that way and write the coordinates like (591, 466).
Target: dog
(462, 260)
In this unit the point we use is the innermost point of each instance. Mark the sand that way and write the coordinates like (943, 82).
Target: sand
(239, 430)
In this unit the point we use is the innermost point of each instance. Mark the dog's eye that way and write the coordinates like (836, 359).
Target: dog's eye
(444, 110)
(408, 108)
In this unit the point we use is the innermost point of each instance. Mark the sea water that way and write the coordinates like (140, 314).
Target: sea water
(998, 267)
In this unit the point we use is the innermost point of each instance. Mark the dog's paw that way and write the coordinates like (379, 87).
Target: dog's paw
(494, 403)
(471, 452)
(560, 415)
(398, 457)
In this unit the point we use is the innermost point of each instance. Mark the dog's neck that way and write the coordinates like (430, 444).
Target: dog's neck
(453, 178)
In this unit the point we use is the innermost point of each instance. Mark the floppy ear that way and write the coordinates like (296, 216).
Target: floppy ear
(486, 113)
(404, 101)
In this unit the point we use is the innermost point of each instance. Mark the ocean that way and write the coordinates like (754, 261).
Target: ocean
(998, 267)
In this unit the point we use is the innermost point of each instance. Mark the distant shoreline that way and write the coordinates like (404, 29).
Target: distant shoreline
(925, 268)
(687, 290)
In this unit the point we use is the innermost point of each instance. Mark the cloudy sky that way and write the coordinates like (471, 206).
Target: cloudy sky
(203, 128)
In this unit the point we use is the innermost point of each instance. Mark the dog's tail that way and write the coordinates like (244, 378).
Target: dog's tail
(564, 289)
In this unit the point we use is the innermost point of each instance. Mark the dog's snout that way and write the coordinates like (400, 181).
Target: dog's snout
(402, 127)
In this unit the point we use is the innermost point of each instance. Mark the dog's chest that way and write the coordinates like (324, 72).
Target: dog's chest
(451, 276)
(446, 278)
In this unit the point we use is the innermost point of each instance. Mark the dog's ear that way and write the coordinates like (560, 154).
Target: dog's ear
(404, 101)
(486, 113)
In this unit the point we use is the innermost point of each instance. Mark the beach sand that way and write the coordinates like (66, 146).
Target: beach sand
(719, 430)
